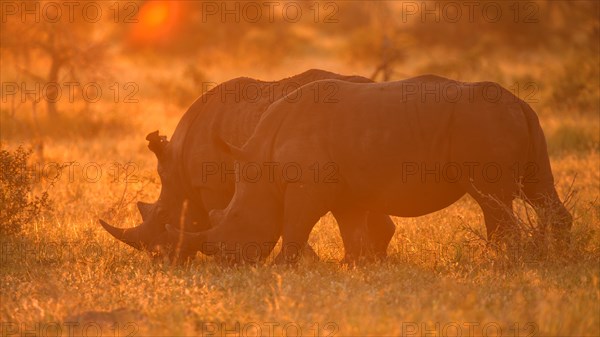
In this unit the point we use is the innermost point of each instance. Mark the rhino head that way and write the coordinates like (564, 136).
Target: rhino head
(247, 230)
(151, 235)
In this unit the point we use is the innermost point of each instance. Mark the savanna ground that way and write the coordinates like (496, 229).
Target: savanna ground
(440, 278)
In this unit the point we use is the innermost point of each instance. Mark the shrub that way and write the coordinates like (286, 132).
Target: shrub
(570, 139)
(18, 205)
(576, 87)
(530, 241)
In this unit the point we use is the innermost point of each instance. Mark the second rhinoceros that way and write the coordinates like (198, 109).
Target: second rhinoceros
(193, 169)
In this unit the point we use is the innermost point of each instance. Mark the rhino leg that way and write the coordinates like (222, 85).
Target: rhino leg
(380, 229)
(497, 213)
(365, 234)
(354, 232)
(302, 209)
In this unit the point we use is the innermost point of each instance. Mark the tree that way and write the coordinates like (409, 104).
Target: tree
(50, 47)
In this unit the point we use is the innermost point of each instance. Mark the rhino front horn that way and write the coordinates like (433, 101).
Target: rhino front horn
(130, 236)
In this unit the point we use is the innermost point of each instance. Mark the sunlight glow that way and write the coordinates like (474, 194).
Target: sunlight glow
(154, 14)
(157, 20)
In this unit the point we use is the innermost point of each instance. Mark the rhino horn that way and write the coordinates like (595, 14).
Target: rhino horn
(188, 241)
(145, 209)
(130, 236)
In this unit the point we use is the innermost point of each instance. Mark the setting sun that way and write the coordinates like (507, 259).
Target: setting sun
(154, 14)
(156, 21)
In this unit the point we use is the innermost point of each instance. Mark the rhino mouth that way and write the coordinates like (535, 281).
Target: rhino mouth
(190, 241)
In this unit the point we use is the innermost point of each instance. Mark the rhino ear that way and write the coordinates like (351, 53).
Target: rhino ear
(232, 150)
(157, 143)
(145, 209)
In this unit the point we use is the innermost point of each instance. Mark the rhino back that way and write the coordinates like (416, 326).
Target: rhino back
(384, 112)
(374, 130)
(230, 111)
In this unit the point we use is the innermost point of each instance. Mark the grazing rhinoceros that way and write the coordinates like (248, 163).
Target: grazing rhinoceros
(405, 148)
(190, 166)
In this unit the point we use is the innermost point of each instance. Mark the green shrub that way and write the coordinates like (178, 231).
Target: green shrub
(18, 205)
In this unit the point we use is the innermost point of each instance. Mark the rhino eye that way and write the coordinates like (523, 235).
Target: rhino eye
(162, 213)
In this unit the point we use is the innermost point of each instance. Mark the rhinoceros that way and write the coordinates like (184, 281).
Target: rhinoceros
(404, 148)
(186, 164)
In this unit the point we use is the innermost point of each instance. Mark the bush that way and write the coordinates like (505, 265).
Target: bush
(529, 239)
(571, 139)
(576, 87)
(18, 205)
